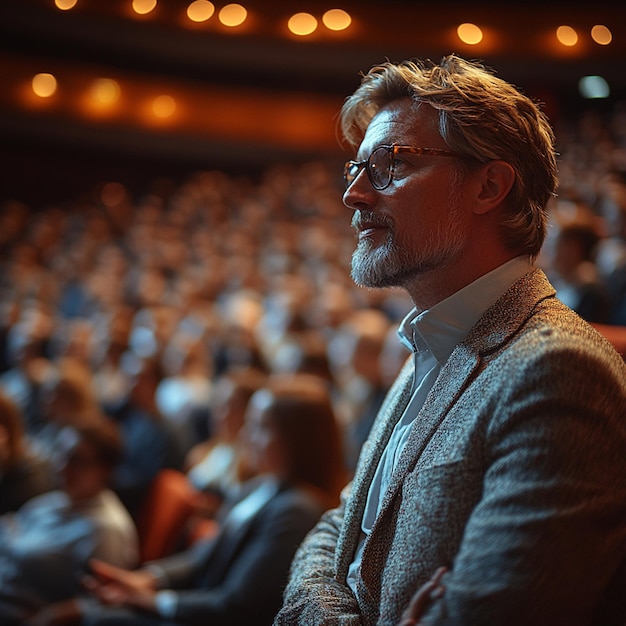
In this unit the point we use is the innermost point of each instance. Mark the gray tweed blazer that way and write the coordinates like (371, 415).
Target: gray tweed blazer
(514, 476)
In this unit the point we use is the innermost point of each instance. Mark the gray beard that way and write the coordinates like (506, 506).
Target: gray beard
(388, 266)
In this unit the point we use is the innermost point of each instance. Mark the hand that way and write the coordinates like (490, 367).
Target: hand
(119, 587)
(425, 595)
(65, 613)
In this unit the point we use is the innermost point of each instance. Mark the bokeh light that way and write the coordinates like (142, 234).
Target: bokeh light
(567, 35)
(469, 33)
(336, 19)
(65, 5)
(200, 10)
(113, 194)
(594, 87)
(302, 24)
(44, 84)
(601, 34)
(105, 91)
(143, 7)
(163, 106)
(233, 15)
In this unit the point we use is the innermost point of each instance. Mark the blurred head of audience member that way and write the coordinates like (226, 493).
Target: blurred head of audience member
(23, 475)
(86, 455)
(291, 431)
(68, 399)
(574, 273)
(216, 466)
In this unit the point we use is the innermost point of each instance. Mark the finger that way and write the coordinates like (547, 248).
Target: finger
(106, 571)
(427, 593)
(438, 575)
(420, 601)
(112, 595)
(88, 582)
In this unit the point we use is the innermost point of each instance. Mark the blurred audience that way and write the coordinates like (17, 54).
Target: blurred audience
(217, 466)
(574, 273)
(67, 399)
(149, 441)
(184, 392)
(293, 444)
(355, 352)
(27, 351)
(45, 546)
(611, 254)
(23, 474)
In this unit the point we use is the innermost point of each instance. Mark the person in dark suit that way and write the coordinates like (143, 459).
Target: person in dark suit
(500, 450)
(237, 577)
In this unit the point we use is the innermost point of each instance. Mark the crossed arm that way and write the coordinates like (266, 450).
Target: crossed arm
(314, 596)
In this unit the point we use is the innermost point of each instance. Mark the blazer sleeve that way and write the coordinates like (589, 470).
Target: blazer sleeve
(549, 532)
(317, 593)
(251, 590)
(314, 596)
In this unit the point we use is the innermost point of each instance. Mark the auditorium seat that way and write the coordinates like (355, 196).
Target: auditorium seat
(164, 514)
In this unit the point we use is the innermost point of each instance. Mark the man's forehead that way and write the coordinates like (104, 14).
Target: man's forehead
(399, 122)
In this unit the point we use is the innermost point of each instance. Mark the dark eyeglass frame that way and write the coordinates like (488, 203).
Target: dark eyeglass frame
(352, 168)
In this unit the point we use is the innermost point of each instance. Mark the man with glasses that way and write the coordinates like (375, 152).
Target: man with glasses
(500, 451)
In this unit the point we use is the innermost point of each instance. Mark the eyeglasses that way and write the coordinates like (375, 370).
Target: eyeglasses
(380, 164)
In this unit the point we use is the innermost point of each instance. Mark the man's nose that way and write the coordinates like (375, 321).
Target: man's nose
(359, 194)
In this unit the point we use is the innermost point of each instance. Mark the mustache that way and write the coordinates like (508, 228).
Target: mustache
(365, 219)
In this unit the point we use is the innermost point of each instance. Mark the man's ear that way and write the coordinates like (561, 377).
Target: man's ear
(496, 180)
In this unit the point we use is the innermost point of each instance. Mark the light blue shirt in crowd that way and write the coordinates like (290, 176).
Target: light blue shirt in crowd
(432, 336)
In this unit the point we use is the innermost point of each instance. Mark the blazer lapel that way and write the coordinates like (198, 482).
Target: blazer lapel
(449, 385)
(496, 327)
(389, 414)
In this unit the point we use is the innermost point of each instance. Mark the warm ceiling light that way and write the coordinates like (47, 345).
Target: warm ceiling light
(469, 33)
(302, 24)
(601, 34)
(567, 35)
(163, 106)
(105, 91)
(336, 19)
(200, 10)
(65, 5)
(142, 7)
(233, 15)
(44, 85)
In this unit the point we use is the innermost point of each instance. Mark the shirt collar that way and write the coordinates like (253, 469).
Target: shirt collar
(442, 327)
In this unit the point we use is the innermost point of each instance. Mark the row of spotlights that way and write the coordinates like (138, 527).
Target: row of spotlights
(334, 19)
(103, 93)
(472, 34)
(235, 14)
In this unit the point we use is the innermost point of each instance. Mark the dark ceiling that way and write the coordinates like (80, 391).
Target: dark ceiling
(254, 95)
